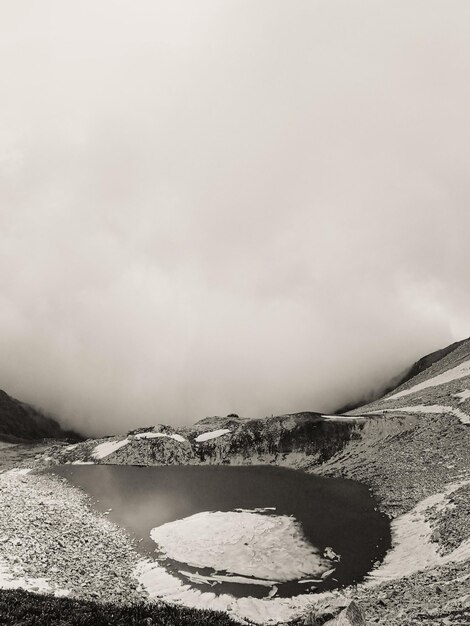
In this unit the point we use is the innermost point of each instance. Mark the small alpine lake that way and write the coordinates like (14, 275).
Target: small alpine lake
(242, 530)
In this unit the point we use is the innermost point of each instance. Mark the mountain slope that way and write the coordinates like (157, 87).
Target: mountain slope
(20, 422)
(441, 385)
(420, 366)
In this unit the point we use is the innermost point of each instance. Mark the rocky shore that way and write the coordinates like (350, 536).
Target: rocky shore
(52, 541)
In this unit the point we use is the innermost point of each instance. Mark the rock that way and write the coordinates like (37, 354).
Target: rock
(352, 615)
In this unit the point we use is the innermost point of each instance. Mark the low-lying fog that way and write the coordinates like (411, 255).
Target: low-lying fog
(216, 207)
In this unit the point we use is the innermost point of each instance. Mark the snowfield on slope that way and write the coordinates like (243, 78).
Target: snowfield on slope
(424, 408)
(152, 435)
(213, 434)
(463, 395)
(413, 550)
(103, 450)
(455, 373)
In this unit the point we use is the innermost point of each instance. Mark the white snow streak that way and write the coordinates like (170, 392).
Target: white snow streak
(463, 395)
(213, 434)
(459, 371)
(152, 435)
(104, 449)
(340, 418)
(424, 408)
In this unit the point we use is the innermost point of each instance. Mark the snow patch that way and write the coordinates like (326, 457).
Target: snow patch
(18, 471)
(268, 547)
(152, 435)
(213, 434)
(9, 581)
(463, 395)
(424, 408)
(343, 417)
(459, 371)
(105, 449)
(412, 549)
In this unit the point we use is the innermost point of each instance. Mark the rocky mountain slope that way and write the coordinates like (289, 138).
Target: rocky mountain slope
(440, 386)
(20, 422)
(400, 379)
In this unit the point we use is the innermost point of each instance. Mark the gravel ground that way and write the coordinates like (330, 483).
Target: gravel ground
(453, 523)
(47, 531)
(404, 460)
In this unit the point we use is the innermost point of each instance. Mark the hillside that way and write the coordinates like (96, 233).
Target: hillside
(400, 379)
(440, 385)
(20, 422)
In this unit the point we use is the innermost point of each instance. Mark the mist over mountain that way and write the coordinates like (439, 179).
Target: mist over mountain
(228, 207)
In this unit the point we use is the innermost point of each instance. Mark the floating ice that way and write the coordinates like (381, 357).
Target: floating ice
(267, 547)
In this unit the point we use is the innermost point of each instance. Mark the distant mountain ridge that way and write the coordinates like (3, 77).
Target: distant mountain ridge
(20, 422)
(419, 366)
(439, 383)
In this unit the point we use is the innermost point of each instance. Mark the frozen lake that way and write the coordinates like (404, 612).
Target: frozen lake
(249, 530)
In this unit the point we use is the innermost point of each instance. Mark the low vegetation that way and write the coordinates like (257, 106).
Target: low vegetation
(19, 608)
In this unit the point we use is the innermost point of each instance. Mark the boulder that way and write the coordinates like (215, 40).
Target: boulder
(352, 615)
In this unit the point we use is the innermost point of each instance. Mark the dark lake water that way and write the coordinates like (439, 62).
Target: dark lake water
(337, 513)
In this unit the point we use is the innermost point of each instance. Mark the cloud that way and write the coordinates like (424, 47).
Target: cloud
(243, 207)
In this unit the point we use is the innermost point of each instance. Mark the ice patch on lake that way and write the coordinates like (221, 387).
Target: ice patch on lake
(267, 547)
(105, 449)
(259, 509)
(160, 585)
(213, 434)
(152, 435)
(220, 578)
(460, 371)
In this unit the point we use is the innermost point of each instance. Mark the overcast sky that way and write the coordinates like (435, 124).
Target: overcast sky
(251, 206)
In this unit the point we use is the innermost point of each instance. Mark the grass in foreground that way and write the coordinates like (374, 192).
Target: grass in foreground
(19, 608)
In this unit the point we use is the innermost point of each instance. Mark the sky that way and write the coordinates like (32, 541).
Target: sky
(250, 206)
